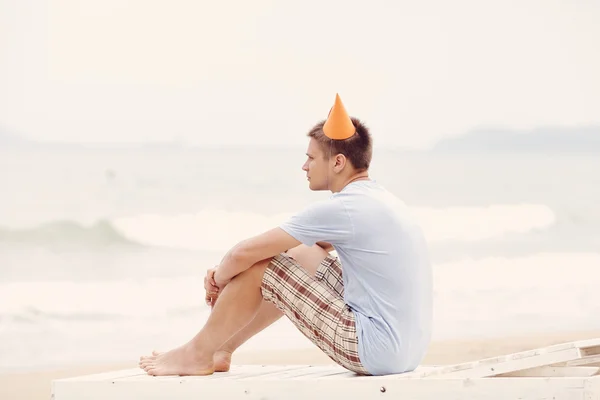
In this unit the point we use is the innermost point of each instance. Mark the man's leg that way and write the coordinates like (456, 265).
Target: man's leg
(309, 258)
(234, 319)
(316, 306)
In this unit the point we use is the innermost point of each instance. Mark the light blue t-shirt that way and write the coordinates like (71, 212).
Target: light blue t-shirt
(385, 268)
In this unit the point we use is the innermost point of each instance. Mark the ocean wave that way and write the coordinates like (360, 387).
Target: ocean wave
(470, 224)
(102, 300)
(466, 290)
(207, 230)
(504, 295)
(215, 230)
(60, 233)
(218, 230)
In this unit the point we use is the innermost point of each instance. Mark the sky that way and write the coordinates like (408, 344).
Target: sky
(264, 71)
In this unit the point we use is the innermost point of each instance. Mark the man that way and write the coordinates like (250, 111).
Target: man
(369, 311)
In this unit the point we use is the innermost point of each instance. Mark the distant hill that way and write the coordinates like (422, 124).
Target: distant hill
(584, 139)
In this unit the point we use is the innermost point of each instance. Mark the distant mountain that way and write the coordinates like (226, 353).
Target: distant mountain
(583, 139)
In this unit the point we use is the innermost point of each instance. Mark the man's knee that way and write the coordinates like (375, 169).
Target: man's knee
(307, 257)
(255, 272)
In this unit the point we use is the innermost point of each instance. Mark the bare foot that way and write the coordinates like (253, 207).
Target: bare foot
(221, 359)
(184, 360)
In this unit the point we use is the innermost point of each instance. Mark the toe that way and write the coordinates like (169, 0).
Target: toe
(148, 360)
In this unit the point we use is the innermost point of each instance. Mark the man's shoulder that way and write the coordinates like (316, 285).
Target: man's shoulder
(369, 193)
(321, 210)
(331, 202)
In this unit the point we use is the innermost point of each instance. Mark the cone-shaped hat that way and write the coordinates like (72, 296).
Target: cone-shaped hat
(338, 126)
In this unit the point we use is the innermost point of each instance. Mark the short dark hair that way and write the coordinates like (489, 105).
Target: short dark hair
(358, 148)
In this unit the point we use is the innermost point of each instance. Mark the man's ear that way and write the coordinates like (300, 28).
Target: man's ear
(340, 162)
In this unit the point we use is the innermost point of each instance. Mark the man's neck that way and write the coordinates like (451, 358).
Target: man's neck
(360, 176)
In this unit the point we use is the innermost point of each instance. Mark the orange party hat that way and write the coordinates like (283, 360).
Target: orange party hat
(338, 126)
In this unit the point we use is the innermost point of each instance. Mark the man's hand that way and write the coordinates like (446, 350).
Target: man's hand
(214, 283)
(211, 288)
(244, 255)
(219, 280)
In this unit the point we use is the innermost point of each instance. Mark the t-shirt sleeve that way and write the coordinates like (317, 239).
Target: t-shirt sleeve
(323, 221)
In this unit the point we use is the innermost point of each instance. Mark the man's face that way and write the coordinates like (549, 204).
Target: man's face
(316, 167)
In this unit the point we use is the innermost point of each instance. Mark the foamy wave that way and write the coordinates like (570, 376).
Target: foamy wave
(208, 230)
(481, 223)
(60, 233)
(482, 296)
(555, 271)
(496, 296)
(89, 300)
(218, 230)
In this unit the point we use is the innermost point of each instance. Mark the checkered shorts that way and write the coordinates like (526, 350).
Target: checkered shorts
(315, 306)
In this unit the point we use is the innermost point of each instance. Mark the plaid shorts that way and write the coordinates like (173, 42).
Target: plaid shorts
(315, 306)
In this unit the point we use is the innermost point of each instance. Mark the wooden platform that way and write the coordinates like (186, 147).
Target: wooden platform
(569, 371)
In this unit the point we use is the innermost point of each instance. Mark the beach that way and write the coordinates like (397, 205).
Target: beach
(106, 266)
(37, 385)
(141, 141)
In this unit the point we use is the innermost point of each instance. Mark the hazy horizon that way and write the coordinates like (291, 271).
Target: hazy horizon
(264, 72)
(540, 139)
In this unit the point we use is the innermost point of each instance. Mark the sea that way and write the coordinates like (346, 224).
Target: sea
(103, 248)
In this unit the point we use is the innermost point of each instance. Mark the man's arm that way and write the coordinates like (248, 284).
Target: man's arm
(248, 252)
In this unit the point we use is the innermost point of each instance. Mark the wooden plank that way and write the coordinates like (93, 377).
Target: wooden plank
(592, 389)
(318, 373)
(148, 378)
(587, 343)
(237, 372)
(145, 376)
(426, 371)
(549, 371)
(301, 389)
(345, 374)
(590, 351)
(502, 365)
(575, 350)
(234, 372)
(258, 371)
(518, 364)
(342, 375)
(337, 375)
(108, 376)
(285, 375)
(590, 360)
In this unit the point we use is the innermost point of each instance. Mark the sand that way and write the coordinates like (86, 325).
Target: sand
(37, 385)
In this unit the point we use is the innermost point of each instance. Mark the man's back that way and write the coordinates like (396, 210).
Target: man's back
(386, 271)
(387, 278)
